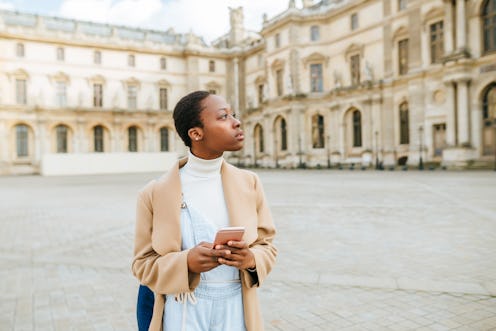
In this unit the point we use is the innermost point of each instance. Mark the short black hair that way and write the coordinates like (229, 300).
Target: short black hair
(187, 114)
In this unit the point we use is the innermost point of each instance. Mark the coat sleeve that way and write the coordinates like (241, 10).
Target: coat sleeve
(164, 274)
(263, 249)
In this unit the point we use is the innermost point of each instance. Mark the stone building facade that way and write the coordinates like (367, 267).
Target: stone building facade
(364, 82)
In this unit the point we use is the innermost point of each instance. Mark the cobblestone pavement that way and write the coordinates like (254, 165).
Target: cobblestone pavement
(358, 250)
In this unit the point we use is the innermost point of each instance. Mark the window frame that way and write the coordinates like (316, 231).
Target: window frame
(403, 56)
(131, 60)
(98, 139)
(355, 69)
(60, 54)
(404, 113)
(211, 66)
(163, 98)
(356, 120)
(97, 57)
(61, 93)
(164, 139)
(318, 134)
(20, 50)
(22, 141)
(97, 95)
(132, 96)
(354, 24)
(21, 91)
(316, 83)
(488, 32)
(315, 33)
(436, 47)
(61, 139)
(132, 139)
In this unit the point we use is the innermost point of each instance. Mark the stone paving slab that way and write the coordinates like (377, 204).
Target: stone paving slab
(357, 251)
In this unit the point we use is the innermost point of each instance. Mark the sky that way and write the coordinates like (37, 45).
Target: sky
(206, 18)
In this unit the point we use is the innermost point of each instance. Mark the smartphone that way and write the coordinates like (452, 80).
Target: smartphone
(229, 233)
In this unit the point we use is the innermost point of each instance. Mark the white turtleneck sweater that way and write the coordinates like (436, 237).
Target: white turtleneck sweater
(202, 189)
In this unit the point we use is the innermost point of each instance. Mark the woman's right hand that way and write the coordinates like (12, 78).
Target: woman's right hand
(203, 257)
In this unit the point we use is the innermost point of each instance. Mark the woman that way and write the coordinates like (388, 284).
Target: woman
(199, 287)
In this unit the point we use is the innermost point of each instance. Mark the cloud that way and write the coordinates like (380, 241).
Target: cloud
(209, 19)
(6, 5)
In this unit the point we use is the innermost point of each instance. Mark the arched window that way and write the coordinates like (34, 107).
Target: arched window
(61, 132)
(284, 135)
(489, 120)
(22, 141)
(318, 131)
(259, 138)
(357, 128)
(164, 139)
(98, 139)
(404, 124)
(132, 134)
(489, 25)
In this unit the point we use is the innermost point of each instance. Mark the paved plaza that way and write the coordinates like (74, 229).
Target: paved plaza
(358, 250)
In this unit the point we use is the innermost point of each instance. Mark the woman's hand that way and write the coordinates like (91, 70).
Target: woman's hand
(203, 257)
(239, 256)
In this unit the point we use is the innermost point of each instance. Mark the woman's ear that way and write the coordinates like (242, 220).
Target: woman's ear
(195, 134)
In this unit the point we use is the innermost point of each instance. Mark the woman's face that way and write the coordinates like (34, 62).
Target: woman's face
(221, 130)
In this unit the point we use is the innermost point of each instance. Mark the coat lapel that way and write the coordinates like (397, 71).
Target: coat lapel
(239, 202)
(167, 200)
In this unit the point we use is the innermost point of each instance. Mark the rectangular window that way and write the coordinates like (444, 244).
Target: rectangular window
(314, 33)
(60, 54)
(132, 95)
(163, 63)
(21, 95)
(211, 66)
(97, 95)
(277, 40)
(403, 56)
(260, 94)
(20, 50)
(22, 140)
(279, 82)
(354, 21)
(131, 60)
(97, 57)
(437, 42)
(439, 138)
(402, 4)
(163, 98)
(61, 92)
(61, 131)
(355, 69)
(316, 84)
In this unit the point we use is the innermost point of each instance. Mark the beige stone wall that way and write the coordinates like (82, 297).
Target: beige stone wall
(447, 94)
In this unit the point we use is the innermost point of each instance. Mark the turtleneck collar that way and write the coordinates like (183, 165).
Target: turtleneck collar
(202, 168)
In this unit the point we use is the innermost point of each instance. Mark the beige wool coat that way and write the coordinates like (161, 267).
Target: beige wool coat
(158, 260)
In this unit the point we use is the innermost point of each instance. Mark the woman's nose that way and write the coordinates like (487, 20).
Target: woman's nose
(236, 122)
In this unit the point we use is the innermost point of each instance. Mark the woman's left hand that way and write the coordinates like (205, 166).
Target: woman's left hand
(240, 255)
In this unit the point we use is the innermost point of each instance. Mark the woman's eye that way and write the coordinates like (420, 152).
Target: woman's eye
(234, 115)
(223, 116)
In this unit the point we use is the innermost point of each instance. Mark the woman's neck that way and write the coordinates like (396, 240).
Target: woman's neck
(200, 167)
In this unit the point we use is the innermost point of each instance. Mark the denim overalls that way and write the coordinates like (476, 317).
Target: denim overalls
(216, 304)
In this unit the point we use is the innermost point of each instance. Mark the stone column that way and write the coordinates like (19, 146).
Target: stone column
(236, 84)
(461, 25)
(463, 119)
(450, 114)
(448, 27)
(476, 126)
